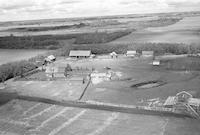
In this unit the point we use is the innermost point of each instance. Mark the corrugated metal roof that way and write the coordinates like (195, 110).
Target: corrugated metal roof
(81, 53)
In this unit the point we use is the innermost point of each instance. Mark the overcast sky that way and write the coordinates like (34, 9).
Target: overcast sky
(41, 9)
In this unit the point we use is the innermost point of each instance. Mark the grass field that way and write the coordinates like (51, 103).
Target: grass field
(23, 117)
(20, 116)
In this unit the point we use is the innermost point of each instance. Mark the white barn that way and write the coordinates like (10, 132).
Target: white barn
(131, 53)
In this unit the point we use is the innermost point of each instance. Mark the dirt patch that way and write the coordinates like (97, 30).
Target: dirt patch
(148, 84)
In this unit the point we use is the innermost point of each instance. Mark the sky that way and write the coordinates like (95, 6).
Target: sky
(11, 10)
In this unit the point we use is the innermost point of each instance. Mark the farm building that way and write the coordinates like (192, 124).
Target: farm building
(113, 55)
(147, 53)
(184, 101)
(50, 59)
(80, 53)
(156, 63)
(131, 53)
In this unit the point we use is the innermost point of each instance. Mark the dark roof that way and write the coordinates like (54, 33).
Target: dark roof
(81, 53)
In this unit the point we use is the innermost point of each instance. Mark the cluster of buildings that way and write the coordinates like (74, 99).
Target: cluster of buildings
(58, 72)
(88, 54)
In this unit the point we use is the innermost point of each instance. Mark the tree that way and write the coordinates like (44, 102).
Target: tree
(68, 69)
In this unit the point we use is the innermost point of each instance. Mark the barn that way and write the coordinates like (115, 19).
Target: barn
(147, 53)
(80, 53)
(131, 53)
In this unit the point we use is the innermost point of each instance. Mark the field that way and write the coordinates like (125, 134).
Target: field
(37, 104)
(28, 117)
(38, 118)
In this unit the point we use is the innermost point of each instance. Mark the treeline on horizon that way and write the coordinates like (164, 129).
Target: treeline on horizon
(52, 41)
(46, 28)
(158, 48)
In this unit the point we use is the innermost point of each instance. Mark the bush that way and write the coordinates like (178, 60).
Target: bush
(67, 70)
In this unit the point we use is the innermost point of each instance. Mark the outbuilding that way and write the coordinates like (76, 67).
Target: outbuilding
(49, 59)
(113, 55)
(156, 63)
(80, 53)
(147, 53)
(131, 53)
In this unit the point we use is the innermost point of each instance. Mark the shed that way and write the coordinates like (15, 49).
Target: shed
(49, 59)
(131, 53)
(147, 53)
(156, 63)
(80, 53)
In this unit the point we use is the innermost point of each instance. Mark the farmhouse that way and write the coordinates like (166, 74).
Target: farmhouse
(80, 53)
(131, 53)
(147, 53)
(113, 55)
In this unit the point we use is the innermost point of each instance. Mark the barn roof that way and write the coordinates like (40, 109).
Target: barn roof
(147, 52)
(131, 52)
(82, 53)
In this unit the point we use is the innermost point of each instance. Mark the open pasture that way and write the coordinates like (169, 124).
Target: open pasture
(23, 117)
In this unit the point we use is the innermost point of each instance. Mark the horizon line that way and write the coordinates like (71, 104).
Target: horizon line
(103, 16)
